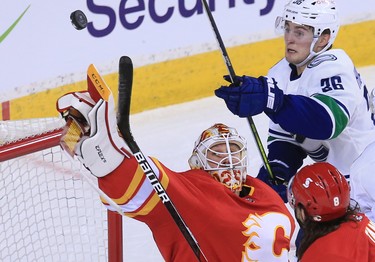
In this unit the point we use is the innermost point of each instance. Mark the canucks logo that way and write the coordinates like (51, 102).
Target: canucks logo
(320, 59)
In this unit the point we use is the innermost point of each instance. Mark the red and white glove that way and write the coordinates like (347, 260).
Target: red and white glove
(74, 107)
(80, 101)
(99, 147)
(104, 150)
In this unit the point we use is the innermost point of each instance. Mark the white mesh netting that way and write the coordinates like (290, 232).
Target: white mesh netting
(47, 212)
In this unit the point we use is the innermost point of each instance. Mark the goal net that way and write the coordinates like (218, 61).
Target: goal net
(48, 212)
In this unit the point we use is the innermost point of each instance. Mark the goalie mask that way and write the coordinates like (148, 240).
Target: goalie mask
(221, 152)
(318, 14)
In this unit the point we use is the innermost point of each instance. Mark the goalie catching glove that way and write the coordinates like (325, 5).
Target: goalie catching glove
(91, 132)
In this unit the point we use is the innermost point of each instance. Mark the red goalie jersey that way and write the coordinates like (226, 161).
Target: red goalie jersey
(254, 227)
(232, 216)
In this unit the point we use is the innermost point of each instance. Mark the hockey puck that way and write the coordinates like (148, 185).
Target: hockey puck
(78, 19)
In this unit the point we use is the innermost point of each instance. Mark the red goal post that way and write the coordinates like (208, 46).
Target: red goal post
(47, 211)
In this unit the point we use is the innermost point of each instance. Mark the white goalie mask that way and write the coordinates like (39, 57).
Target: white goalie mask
(221, 152)
(318, 14)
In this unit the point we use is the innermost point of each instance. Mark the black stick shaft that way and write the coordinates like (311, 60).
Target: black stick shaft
(227, 61)
(124, 99)
(234, 80)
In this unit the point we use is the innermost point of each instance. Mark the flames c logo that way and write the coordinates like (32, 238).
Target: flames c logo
(268, 237)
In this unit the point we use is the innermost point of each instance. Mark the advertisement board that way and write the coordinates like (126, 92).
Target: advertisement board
(40, 50)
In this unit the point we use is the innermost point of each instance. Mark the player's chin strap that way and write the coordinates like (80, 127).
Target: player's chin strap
(312, 54)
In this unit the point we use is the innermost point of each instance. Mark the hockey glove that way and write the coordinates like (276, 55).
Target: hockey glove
(282, 174)
(253, 96)
(80, 101)
(104, 150)
(91, 132)
(74, 108)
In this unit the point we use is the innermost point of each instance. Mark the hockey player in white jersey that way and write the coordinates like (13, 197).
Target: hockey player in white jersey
(314, 97)
(362, 175)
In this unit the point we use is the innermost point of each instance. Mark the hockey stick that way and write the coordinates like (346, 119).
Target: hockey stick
(234, 80)
(124, 99)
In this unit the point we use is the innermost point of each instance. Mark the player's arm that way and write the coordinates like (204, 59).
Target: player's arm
(317, 117)
(336, 89)
(130, 189)
(285, 157)
(91, 135)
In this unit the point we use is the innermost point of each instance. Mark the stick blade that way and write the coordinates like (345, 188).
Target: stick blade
(96, 85)
(125, 84)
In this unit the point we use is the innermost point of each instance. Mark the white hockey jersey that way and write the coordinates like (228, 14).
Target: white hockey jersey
(333, 82)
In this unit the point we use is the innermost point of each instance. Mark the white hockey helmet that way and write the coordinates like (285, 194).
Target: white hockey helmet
(230, 167)
(319, 14)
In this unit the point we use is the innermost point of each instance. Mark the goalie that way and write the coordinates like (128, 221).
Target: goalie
(233, 216)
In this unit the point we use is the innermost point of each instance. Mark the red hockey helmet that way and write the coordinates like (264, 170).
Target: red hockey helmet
(322, 190)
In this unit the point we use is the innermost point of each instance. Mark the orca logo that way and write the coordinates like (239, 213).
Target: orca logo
(320, 59)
